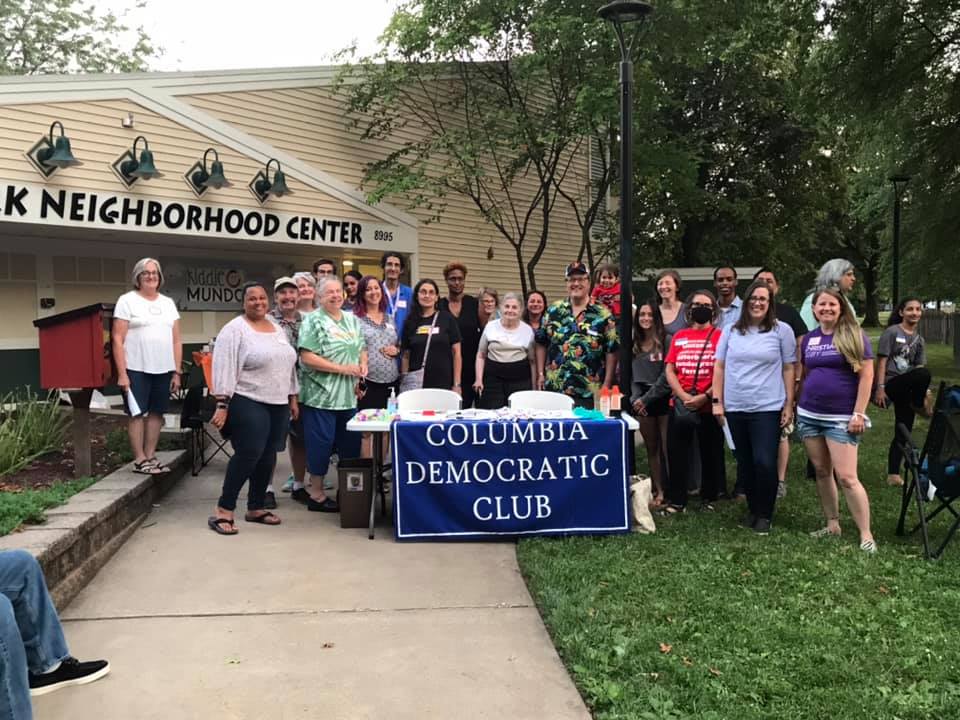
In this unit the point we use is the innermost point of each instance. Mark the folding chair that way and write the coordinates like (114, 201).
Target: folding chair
(196, 413)
(933, 474)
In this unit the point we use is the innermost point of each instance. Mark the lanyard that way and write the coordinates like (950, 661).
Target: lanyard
(391, 303)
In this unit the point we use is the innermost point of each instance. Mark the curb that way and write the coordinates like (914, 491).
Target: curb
(79, 537)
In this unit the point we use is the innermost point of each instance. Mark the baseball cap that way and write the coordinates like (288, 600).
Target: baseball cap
(281, 281)
(576, 268)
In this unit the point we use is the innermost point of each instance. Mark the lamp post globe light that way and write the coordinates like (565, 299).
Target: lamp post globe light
(626, 15)
(899, 181)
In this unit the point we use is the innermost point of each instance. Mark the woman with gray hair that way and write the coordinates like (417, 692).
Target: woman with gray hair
(506, 358)
(836, 274)
(307, 287)
(148, 355)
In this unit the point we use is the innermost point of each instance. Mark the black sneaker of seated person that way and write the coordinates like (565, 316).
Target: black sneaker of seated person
(70, 672)
(300, 495)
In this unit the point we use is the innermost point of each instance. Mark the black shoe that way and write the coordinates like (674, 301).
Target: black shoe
(748, 521)
(70, 672)
(328, 506)
(300, 495)
(270, 501)
(762, 526)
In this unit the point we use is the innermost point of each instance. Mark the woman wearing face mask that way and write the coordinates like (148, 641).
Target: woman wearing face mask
(443, 360)
(351, 281)
(671, 307)
(689, 370)
(506, 361)
(536, 306)
(836, 374)
(904, 380)
(255, 383)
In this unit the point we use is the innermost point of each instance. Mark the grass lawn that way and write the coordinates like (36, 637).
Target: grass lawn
(27, 506)
(706, 620)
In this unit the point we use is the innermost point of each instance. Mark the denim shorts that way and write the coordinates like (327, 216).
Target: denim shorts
(151, 391)
(835, 430)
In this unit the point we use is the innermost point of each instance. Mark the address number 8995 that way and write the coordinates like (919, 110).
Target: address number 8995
(383, 235)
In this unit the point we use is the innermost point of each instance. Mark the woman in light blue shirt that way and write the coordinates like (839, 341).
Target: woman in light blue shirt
(753, 386)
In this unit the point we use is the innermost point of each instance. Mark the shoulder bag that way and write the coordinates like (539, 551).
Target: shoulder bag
(682, 415)
(413, 380)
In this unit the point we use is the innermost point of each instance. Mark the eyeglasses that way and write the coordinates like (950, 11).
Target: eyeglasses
(579, 280)
(759, 300)
(149, 273)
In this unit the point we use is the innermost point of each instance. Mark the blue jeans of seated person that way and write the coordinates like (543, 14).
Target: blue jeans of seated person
(257, 432)
(756, 436)
(31, 639)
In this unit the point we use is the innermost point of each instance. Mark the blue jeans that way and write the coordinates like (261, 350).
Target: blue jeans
(31, 638)
(757, 438)
(257, 432)
(323, 430)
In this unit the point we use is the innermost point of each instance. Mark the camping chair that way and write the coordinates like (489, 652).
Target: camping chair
(197, 412)
(933, 474)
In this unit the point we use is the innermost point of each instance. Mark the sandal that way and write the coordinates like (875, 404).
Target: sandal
(266, 518)
(219, 525)
(824, 532)
(672, 510)
(158, 465)
(147, 467)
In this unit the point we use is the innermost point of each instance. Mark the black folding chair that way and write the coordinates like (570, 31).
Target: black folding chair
(196, 413)
(933, 474)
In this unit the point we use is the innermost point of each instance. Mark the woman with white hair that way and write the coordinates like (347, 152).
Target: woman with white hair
(148, 355)
(506, 359)
(836, 274)
(308, 300)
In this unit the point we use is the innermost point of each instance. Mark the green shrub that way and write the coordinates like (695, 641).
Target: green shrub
(28, 506)
(30, 425)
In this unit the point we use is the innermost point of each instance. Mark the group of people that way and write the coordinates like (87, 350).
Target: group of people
(292, 373)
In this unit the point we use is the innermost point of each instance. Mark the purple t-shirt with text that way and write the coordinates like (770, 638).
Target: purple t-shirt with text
(830, 384)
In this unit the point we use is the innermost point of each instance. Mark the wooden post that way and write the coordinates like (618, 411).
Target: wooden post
(80, 399)
(956, 339)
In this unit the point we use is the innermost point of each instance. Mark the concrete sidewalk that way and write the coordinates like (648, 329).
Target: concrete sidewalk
(307, 620)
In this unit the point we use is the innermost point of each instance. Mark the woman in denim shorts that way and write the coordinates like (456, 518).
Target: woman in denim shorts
(837, 372)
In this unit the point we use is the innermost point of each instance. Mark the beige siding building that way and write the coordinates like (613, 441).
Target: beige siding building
(71, 239)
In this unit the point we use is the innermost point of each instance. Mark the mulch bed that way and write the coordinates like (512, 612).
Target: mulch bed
(57, 466)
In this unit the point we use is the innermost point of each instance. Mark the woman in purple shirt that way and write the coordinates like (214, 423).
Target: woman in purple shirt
(837, 372)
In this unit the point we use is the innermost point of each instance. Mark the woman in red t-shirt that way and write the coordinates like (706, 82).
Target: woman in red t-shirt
(689, 370)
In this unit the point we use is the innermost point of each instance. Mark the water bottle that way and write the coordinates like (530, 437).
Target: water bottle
(392, 401)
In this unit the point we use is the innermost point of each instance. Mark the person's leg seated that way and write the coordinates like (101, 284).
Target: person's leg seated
(14, 687)
(47, 658)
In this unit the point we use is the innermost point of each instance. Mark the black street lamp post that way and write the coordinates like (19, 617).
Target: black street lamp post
(620, 14)
(899, 184)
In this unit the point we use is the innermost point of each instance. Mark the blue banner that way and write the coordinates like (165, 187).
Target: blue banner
(473, 479)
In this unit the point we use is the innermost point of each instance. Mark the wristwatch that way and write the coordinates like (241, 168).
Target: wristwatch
(716, 401)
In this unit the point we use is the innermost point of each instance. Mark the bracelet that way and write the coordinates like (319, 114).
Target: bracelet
(881, 385)
(859, 415)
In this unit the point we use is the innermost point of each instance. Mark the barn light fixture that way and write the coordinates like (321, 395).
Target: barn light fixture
(49, 155)
(263, 187)
(129, 169)
(200, 179)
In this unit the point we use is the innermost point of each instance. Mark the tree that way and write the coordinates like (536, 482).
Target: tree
(483, 93)
(66, 36)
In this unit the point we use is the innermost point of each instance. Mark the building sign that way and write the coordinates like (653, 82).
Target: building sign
(210, 284)
(43, 205)
(465, 479)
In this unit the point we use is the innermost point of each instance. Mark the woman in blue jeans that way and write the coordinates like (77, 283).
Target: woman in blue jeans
(255, 382)
(753, 384)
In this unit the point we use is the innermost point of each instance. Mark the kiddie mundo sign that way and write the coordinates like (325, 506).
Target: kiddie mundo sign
(464, 479)
(211, 284)
(43, 205)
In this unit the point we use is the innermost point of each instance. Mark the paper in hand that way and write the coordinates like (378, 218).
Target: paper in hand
(727, 436)
(132, 405)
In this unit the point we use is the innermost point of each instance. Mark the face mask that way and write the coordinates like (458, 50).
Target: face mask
(701, 315)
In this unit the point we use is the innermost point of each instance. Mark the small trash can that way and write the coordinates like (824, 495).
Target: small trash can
(355, 491)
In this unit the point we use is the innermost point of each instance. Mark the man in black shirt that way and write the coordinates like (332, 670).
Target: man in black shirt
(789, 315)
(465, 309)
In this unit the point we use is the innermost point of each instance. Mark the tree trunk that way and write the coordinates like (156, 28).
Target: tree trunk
(523, 275)
(871, 308)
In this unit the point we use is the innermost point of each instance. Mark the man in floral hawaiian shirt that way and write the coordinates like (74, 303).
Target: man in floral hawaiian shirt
(577, 342)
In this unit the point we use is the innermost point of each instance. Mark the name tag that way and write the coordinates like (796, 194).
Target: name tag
(681, 342)
(814, 341)
(901, 340)
(427, 330)
(656, 357)
(401, 304)
(591, 331)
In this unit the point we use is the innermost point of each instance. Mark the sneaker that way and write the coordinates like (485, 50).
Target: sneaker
(70, 672)
(748, 521)
(762, 526)
(300, 495)
(869, 547)
(288, 485)
(781, 490)
(270, 502)
(327, 506)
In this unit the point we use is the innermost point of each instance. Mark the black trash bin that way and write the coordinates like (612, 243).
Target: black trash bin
(356, 491)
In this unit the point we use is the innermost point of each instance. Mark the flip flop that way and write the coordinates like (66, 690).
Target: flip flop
(267, 518)
(159, 465)
(147, 467)
(218, 525)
